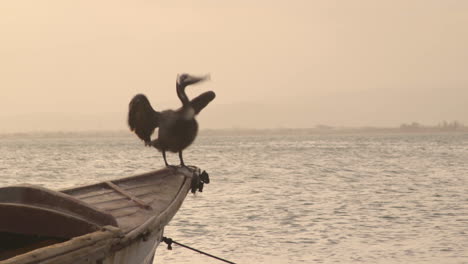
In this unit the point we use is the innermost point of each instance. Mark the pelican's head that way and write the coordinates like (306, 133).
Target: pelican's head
(185, 79)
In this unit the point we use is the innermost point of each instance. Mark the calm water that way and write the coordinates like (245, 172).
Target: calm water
(285, 198)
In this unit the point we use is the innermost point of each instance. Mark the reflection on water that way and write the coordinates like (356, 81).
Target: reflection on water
(285, 198)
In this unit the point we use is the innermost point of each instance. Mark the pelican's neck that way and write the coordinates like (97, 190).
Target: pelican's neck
(187, 110)
(181, 94)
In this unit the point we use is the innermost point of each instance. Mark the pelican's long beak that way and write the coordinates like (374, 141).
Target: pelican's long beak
(195, 79)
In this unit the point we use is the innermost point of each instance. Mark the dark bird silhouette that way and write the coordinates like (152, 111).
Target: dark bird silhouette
(177, 128)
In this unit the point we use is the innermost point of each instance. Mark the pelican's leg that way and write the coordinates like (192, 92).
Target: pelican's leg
(164, 156)
(181, 159)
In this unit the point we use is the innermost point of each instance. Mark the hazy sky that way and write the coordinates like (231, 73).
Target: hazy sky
(75, 65)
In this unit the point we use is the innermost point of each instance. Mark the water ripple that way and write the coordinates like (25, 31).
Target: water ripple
(286, 198)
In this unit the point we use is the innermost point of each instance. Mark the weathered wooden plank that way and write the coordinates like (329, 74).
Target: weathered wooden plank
(91, 194)
(135, 189)
(157, 189)
(112, 194)
(138, 184)
(132, 187)
(118, 214)
(96, 189)
(125, 212)
(129, 205)
(109, 207)
(84, 189)
(130, 196)
(115, 199)
(154, 174)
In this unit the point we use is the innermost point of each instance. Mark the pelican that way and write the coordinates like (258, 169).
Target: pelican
(177, 128)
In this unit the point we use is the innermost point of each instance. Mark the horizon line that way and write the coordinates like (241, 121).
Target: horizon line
(318, 128)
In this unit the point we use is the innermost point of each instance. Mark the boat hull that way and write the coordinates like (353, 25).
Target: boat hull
(140, 206)
(139, 252)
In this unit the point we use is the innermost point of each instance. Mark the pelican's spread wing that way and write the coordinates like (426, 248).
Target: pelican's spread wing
(201, 101)
(142, 119)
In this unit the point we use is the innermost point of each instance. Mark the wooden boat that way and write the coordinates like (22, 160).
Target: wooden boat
(113, 222)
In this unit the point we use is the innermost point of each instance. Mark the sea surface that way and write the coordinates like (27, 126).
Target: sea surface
(283, 197)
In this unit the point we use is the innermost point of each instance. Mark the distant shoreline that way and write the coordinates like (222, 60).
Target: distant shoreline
(255, 131)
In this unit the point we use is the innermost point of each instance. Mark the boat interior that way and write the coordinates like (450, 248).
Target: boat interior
(35, 217)
(13, 244)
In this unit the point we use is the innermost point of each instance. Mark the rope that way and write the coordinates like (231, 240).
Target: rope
(169, 242)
